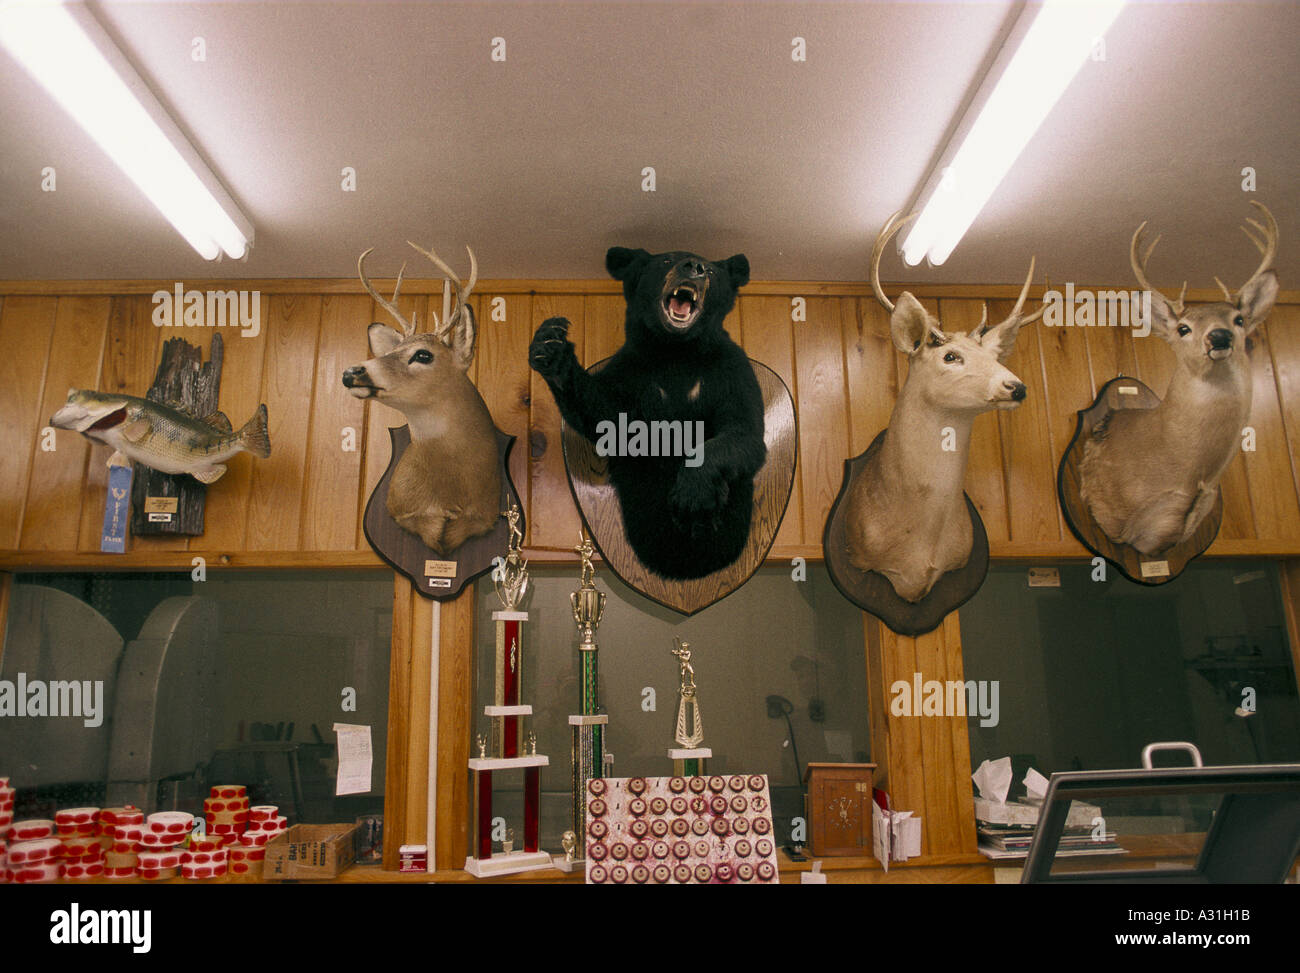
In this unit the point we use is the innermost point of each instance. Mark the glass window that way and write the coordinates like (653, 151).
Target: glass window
(164, 686)
(1091, 671)
(780, 669)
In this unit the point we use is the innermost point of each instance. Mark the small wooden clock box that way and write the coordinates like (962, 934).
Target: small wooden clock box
(837, 807)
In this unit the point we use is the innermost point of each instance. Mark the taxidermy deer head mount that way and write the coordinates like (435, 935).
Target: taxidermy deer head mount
(1150, 476)
(907, 518)
(447, 485)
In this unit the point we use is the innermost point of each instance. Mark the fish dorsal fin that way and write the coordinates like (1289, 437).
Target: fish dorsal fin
(219, 420)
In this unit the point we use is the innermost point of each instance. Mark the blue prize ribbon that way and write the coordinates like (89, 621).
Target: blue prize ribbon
(117, 509)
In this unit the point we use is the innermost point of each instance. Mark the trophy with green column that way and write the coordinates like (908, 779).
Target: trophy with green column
(588, 724)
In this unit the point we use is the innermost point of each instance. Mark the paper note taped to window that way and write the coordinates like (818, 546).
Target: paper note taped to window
(356, 757)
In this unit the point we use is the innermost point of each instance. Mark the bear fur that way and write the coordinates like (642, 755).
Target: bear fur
(677, 363)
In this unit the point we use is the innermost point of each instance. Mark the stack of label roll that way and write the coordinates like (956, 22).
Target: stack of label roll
(159, 856)
(6, 819)
(34, 852)
(121, 830)
(247, 855)
(225, 811)
(205, 858)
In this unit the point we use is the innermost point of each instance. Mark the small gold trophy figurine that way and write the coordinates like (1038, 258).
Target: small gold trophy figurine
(690, 726)
(511, 576)
(569, 842)
(588, 603)
(482, 745)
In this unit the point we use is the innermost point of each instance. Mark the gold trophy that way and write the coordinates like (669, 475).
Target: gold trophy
(690, 756)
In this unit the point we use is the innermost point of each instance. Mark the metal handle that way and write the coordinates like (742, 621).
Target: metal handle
(1151, 748)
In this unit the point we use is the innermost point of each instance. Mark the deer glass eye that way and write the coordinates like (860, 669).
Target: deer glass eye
(951, 357)
(1239, 321)
(424, 356)
(1184, 331)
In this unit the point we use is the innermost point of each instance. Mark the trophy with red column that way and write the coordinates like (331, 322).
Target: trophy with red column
(506, 738)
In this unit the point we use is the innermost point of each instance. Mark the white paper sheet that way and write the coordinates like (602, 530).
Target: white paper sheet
(356, 758)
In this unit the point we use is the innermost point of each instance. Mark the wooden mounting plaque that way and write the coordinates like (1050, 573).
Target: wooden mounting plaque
(1134, 565)
(872, 591)
(603, 514)
(406, 553)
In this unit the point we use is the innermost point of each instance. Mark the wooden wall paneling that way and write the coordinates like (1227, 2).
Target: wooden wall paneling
(1290, 576)
(956, 824)
(333, 481)
(26, 329)
(1284, 347)
(1269, 470)
(52, 513)
(870, 371)
(506, 383)
(1110, 354)
(603, 316)
(225, 516)
(455, 728)
(985, 477)
(130, 360)
(768, 337)
(275, 500)
(1155, 362)
(397, 782)
(379, 418)
(554, 520)
(823, 411)
(417, 743)
(1027, 458)
(1066, 388)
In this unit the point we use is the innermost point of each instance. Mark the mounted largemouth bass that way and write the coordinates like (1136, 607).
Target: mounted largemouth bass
(159, 436)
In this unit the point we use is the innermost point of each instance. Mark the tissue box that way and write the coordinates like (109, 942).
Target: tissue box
(837, 807)
(1024, 813)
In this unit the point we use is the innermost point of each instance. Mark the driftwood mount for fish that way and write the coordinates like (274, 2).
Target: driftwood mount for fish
(165, 503)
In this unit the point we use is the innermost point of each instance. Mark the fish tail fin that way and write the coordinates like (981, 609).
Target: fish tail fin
(254, 435)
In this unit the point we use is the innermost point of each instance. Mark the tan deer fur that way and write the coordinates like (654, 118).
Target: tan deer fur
(906, 516)
(446, 487)
(1149, 477)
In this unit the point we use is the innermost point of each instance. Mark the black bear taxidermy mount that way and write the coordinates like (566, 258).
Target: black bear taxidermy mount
(688, 390)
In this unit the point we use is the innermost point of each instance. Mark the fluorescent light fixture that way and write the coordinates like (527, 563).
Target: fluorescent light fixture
(1023, 84)
(78, 64)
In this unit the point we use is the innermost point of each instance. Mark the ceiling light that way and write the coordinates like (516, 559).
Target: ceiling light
(76, 62)
(1043, 52)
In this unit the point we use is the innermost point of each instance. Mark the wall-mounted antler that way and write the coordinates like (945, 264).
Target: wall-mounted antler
(1140, 270)
(461, 303)
(408, 327)
(1267, 246)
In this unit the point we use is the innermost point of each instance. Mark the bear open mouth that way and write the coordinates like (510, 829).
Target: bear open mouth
(682, 306)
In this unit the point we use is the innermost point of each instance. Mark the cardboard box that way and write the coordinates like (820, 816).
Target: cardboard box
(310, 851)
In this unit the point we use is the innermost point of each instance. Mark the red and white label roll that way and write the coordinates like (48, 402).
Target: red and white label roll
(31, 829)
(159, 842)
(34, 852)
(229, 790)
(43, 872)
(120, 871)
(255, 839)
(115, 816)
(76, 815)
(200, 872)
(206, 843)
(170, 822)
(115, 859)
(127, 838)
(159, 859)
(203, 857)
(84, 871)
(157, 874)
(82, 849)
(243, 853)
(219, 804)
(263, 812)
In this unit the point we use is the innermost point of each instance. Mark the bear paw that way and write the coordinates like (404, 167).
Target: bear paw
(551, 350)
(698, 490)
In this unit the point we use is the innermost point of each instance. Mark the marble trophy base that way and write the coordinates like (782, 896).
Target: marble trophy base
(690, 763)
(585, 767)
(508, 863)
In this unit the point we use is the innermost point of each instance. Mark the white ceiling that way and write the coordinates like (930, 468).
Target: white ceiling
(536, 162)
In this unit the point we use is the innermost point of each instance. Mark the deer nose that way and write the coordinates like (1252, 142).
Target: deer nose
(1220, 338)
(1017, 390)
(353, 376)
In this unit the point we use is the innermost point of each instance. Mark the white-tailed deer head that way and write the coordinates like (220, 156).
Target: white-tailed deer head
(447, 485)
(1149, 477)
(906, 517)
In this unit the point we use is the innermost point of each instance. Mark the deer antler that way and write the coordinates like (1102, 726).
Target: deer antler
(408, 327)
(892, 225)
(1024, 292)
(462, 293)
(1266, 246)
(1139, 269)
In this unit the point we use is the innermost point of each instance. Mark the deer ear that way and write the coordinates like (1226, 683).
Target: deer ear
(383, 339)
(622, 263)
(1256, 297)
(909, 324)
(1162, 320)
(1001, 338)
(737, 268)
(463, 335)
